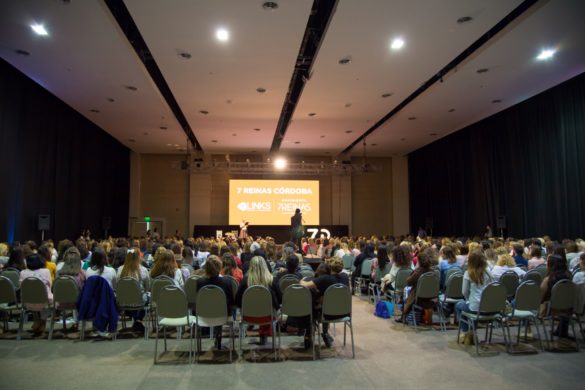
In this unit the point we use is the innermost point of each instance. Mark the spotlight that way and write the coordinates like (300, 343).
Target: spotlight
(280, 163)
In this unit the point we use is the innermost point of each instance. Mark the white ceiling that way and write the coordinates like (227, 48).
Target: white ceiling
(86, 59)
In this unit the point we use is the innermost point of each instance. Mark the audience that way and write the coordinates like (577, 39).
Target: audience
(506, 263)
(98, 265)
(535, 257)
(556, 271)
(166, 265)
(133, 269)
(35, 268)
(71, 266)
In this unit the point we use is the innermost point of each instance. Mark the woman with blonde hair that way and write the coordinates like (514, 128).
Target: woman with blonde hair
(506, 263)
(259, 275)
(133, 269)
(167, 265)
(71, 266)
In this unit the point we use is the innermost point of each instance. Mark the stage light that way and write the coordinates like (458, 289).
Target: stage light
(280, 163)
(39, 29)
(397, 44)
(222, 35)
(546, 54)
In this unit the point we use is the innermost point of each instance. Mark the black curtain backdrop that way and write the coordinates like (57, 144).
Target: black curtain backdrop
(526, 163)
(54, 161)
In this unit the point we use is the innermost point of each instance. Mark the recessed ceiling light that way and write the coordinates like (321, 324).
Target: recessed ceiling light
(397, 44)
(348, 131)
(411, 118)
(482, 70)
(374, 144)
(204, 112)
(169, 144)
(229, 101)
(260, 90)
(270, 5)
(327, 152)
(546, 54)
(347, 105)
(256, 129)
(94, 110)
(111, 100)
(433, 134)
(222, 34)
(464, 19)
(39, 29)
(322, 136)
(145, 133)
(234, 134)
(312, 113)
(176, 145)
(185, 55)
(496, 101)
(163, 127)
(131, 140)
(386, 95)
(131, 88)
(297, 142)
(22, 52)
(451, 110)
(345, 60)
(214, 141)
(403, 139)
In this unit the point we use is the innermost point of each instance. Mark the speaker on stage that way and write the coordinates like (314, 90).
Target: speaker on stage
(44, 222)
(501, 222)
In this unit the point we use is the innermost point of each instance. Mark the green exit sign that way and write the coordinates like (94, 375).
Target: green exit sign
(146, 219)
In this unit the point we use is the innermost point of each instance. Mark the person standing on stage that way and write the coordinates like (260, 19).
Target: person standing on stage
(243, 230)
(296, 225)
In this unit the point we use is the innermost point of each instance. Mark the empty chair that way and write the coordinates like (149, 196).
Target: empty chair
(257, 310)
(510, 280)
(172, 310)
(541, 270)
(427, 287)
(8, 299)
(129, 297)
(525, 309)
(65, 294)
(156, 287)
(348, 262)
(297, 301)
(14, 276)
(492, 305)
(374, 286)
(452, 271)
(34, 299)
(211, 310)
(336, 308)
(364, 275)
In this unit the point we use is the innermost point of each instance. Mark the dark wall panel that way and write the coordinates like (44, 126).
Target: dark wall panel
(527, 163)
(54, 161)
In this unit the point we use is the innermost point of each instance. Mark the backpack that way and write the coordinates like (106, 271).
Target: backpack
(383, 309)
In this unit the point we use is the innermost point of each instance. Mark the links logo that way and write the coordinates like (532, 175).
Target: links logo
(264, 207)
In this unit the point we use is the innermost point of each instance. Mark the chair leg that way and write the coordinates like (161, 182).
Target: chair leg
(352, 344)
(574, 334)
(312, 330)
(52, 324)
(21, 324)
(475, 338)
(191, 344)
(538, 332)
(344, 332)
(165, 336)
(156, 345)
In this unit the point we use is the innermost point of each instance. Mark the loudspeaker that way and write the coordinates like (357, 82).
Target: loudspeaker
(44, 222)
(501, 222)
(106, 223)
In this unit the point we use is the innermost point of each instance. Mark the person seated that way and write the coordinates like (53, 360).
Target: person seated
(46, 254)
(211, 269)
(425, 264)
(259, 275)
(518, 254)
(292, 268)
(579, 276)
(36, 268)
(16, 259)
(368, 253)
(535, 257)
(167, 265)
(98, 265)
(448, 260)
(71, 266)
(401, 259)
(506, 263)
(134, 269)
(320, 284)
(556, 271)
(230, 268)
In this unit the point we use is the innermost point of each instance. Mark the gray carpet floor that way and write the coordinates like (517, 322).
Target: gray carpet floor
(388, 355)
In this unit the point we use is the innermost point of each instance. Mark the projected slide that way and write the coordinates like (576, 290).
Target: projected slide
(273, 202)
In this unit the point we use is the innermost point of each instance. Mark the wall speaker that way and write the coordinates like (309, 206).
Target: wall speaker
(44, 222)
(501, 222)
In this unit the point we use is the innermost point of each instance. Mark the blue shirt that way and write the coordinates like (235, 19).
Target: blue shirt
(520, 260)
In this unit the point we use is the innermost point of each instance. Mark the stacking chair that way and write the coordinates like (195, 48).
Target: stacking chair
(452, 271)
(156, 287)
(234, 284)
(34, 292)
(14, 276)
(427, 287)
(129, 297)
(172, 310)
(364, 276)
(491, 310)
(374, 286)
(336, 308)
(533, 275)
(191, 291)
(257, 302)
(511, 281)
(399, 284)
(525, 309)
(8, 300)
(348, 262)
(297, 301)
(210, 311)
(287, 280)
(541, 270)
(561, 305)
(453, 290)
(65, 294)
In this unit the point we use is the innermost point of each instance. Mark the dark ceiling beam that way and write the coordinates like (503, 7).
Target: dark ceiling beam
(502, 24)
(321, 14)
(130, 30)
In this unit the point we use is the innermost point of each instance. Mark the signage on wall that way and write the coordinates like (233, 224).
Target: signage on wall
(325, 233)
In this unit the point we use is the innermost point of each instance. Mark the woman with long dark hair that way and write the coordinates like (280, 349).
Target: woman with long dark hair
(556, 271)
(98, 265)
(380, 261)
(368, 253)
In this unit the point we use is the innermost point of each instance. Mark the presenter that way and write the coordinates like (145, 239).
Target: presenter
(243, 230)
(296, 226)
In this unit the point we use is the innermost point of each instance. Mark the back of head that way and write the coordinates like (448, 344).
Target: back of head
(401, 256)
(165, 265)
(449, 254)
(34, 262)
(98, 260)
(506, 260)
(72, 262)
(212, 266)
(518, 249)
(426, 258)
(336, 264)
(258, 273)
(45, 252)
(292, 263)
(535, 251)
(476, 267)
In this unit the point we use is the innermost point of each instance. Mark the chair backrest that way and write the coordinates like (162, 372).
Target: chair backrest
(347, 261)
(427, 285)
(211, 302)
(527, 296)
(380, 273)
(191, 289)
(33, 290)
(401, 277)
(7, 291)
(128, 292)
(533, 275)
(297, 301)
(511, 281)
(366, 268)
(307, 273)
(337, 301)
(157, 285)
(257, 302)
(541, 270)
(172, 302)
(453, 270)
(287, 280)
(562, 296)
(493, 298)
(65, 290)
(234, 284)
(454, 286)
(13, 276)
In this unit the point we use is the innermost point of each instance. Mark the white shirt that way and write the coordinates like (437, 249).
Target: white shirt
(109, 274)
(473, 291)
(499, 270)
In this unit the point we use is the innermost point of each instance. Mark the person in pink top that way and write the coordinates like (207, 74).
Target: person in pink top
(36, 269)
(535, 257)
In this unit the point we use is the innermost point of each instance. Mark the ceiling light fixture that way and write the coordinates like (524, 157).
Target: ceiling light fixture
(256, 129)
(131, 88)
(345, 60)
(163, 127)
(22, 52)
(280, 163)
(222, 34)
(348, 131)
(39, 29)
(397, 44)
(347, 105)
(297, 142)
(433, 134)
(260, 90)
(131, 140)
(111, 100)
(386, 95)
(214, 141)
(204, 112)
(464, 19)
(312, 113)
(546, 54)
(95, 110)
(482, 70)
(411, 118)
(496, 101)
(185, 55)
(270, 5)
